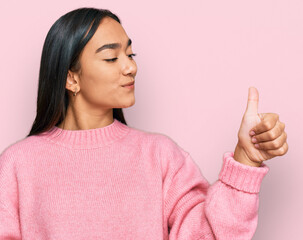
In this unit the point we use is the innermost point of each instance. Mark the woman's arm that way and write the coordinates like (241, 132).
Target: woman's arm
(9, 224)
(228, 209)
(9, 220)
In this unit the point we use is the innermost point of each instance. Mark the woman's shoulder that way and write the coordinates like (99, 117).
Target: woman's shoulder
(149, 135)
(19, 147)
(161, 142)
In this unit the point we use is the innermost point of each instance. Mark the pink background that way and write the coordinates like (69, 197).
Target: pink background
(196, 61)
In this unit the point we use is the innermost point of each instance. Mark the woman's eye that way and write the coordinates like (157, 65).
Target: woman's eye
(114, 59)
(132, 55)
(111, 60)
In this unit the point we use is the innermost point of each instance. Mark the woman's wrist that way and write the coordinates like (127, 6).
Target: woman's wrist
(241, 157)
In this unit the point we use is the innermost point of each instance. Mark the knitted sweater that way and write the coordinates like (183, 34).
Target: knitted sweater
(118, 182)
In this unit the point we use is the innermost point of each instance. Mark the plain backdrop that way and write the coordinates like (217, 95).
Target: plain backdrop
(196, 61)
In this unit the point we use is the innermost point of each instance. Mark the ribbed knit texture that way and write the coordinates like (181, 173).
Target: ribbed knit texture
(118, 182)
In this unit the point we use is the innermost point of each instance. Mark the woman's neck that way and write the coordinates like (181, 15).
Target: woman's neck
(84, 120)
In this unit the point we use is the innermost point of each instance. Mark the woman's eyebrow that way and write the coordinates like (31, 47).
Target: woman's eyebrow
(113, 46)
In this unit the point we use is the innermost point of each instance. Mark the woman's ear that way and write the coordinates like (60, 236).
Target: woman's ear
(71, 82)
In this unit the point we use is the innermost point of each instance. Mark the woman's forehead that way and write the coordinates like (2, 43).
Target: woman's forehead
(109, 32)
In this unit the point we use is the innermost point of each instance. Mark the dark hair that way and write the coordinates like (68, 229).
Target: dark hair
(61, 50)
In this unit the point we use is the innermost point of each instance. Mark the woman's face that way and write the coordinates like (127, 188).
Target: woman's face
(100, 79)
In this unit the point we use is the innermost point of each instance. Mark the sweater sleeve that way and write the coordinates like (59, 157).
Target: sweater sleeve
(196, 210)
(9, 218)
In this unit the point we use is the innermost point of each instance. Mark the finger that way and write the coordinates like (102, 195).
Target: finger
(268, 122)
(279, 152)
(252, 102)
(271, 134)
(274, 144)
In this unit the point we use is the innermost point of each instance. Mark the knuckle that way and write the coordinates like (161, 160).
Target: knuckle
(275, 144)
(267, 125)
(281, 130)
(281, 127)
(278, 133)
(286, 148)
(272, 134)
(258, 138)
(281, 151)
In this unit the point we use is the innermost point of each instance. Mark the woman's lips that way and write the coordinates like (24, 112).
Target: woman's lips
(129, 85)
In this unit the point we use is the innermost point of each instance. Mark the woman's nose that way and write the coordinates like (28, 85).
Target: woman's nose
(130, 67)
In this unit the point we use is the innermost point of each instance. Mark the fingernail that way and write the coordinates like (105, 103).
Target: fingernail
(254, 140)
(252, 133)
(257, 145)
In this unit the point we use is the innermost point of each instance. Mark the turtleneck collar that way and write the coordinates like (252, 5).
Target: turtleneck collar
(86, 139)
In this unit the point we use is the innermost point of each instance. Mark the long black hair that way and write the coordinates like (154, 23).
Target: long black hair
(61, 50)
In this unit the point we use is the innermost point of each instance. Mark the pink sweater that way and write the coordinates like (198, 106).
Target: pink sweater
(118, 182)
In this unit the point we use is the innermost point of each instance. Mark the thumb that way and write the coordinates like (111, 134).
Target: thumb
(252, 102)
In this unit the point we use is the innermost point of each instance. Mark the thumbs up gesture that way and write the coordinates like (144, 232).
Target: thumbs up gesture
(261, 135)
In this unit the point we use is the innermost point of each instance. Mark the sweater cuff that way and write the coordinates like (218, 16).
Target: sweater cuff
(240, 176)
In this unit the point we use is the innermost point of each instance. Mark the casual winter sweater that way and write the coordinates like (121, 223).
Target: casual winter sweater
(118, 182)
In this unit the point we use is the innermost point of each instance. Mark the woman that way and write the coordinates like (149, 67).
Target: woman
(82, 173)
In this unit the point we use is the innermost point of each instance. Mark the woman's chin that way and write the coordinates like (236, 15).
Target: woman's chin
(128, 104)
